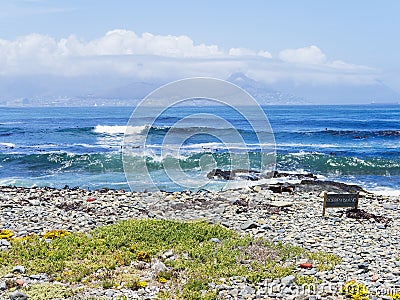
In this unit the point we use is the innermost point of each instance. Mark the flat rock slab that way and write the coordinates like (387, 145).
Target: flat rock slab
(281, 203)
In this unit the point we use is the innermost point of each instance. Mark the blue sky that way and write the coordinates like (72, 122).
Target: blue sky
(331, 42)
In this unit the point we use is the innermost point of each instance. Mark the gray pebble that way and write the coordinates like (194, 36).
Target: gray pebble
(220, 210)
(19, 269)
(374, 253)
(234, 293)
(168, 254)
(17, 295)
(4, 242)
(159, 267)
(247, 290)
(109, 293)
(223, 287)
(287, 280)
(248, 225)
(380, 226)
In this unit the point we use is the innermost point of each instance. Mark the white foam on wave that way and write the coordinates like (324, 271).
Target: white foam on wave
(170, 149)
(215, 146)
(41, 146)
(10, 123)
(203, 146)
(305, 153)
(8, 181)
(308, 145)
(8, 145)
(83, 145)
(118, 129)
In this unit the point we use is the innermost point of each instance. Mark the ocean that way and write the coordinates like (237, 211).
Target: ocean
(82, 146)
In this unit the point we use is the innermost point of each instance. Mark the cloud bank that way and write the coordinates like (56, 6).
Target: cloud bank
(309, 55)
(124, 53)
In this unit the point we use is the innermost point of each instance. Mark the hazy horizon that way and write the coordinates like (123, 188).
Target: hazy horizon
(287, 52)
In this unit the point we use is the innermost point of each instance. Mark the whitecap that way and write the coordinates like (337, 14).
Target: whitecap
(118, 129)
(8, 145)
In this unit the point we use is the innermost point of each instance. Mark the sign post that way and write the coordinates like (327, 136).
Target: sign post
(340, 200)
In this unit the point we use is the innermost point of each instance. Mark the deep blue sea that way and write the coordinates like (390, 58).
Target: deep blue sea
(82, 146)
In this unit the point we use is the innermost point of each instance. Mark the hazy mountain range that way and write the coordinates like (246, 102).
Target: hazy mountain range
(103, 90)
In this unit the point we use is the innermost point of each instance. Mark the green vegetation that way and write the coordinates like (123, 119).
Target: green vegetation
(6, 234)
(395, 296)
(143, 255)
(52, 234)
(103, 257)
(325, 261)
(47, 291)
(305, 279)
(355, 290)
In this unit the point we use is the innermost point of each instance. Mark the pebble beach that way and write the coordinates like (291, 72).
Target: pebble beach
(369, 249)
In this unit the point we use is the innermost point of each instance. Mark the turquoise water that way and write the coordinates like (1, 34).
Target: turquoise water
(82, 146)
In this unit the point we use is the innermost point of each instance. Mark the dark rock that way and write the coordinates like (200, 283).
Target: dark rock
(331, 186)
(355, 213)
(281, 188)
(266, 227)
(248, 225)
(363, 265)
(234, 174)
(68, 206)
(277, 174)
(19, 269)
(254, 175)
(220, 174)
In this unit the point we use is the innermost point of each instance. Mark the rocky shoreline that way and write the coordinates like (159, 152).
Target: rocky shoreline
(368, 248)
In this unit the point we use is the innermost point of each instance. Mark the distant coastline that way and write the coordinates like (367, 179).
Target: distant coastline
(132, 103)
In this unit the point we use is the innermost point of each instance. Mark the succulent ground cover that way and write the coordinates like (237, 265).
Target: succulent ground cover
(122, 255)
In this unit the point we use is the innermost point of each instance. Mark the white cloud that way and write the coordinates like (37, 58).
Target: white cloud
(265, 54)
(115, 52)
(341, 65)
(147, 56)
(41, 49)
(241, 52)
(313, 56)
(308, 55)
(248, 52)
(31, 53)
(124, 42)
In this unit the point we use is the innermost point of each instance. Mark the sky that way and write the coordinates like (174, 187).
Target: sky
(307, 43)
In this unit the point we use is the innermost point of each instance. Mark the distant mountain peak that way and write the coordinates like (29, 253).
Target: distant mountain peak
(241, 78)
(262, 92)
